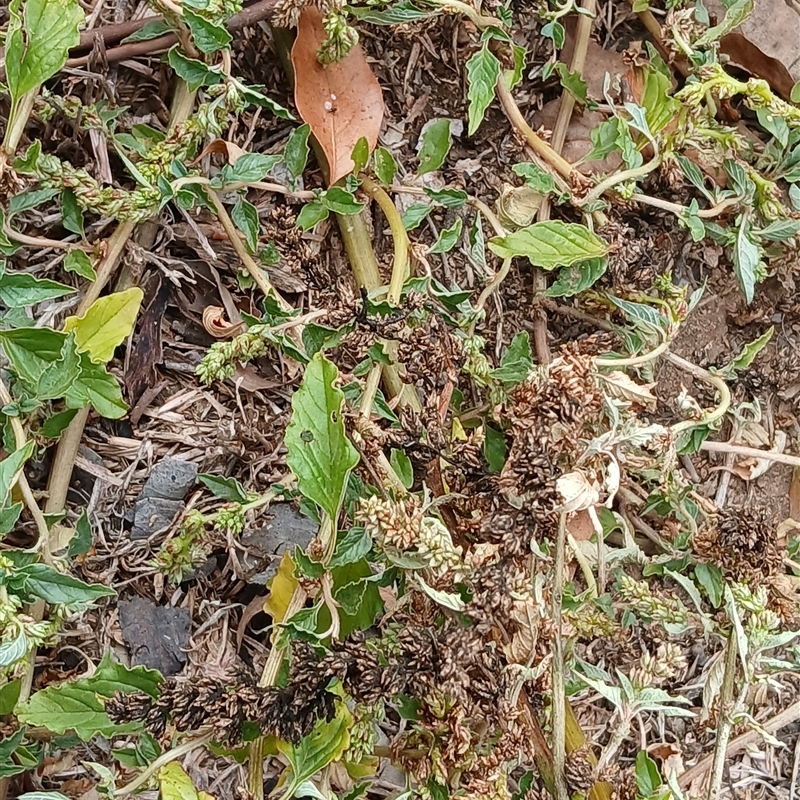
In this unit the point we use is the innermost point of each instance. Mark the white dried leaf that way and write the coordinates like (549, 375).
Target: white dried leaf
(621, 386)
(577, 492)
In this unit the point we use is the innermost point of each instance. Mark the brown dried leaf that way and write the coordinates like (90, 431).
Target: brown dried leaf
(621, 386)
(231, 151)
(341, 102)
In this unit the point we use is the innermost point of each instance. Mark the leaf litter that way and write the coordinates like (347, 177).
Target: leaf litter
(547, 545)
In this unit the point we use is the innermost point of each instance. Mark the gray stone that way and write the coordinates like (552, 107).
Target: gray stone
(286, 530)
(157, 636)
(170, 479)
(153, 514)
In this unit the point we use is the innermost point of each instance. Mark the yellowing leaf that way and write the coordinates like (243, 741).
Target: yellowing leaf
(281, 589)
(341, 102)
(175, 784)
(107, 323)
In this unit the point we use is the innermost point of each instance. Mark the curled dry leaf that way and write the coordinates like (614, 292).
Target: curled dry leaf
(621, 386)
(341, 102)
(231, 151)
(217, 324)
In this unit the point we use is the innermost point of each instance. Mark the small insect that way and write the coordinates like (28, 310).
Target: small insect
(330, 105)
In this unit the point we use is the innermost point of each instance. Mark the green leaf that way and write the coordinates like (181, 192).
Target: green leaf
(111, 677)
(494, 448)
(75, 705)
(96, 386)
(351, 547)
(483, 72)
(710, 577)
(312, 213)
(249, 168)
(81, 542)
(208, 36)
(449, 198)
(56, 424)
(746, 258)
(78, 262)
(245, 217)
(225, 488)
(38, 41)
(416, 214)
(385, 165)
(781, 230)
(401, 464)
(320, 454)
(295, 154)
(734, 17)
(512, 77)
(395, 14)
(106, 324)
(774, 124)
(537, 178)
(27, 200)
(71, 213)
(747, 354)
(604, 139)
(150, 30)
(477, 243)
(577, 278)
(32, 350)
(340, 201)
(20, 289)
(572, 82)
(550, 244)
(795, 94)
(8, 519)
(517, 360)
(10, 468)
(554, 30)
(434, 145)
(8, 767)
(194, 72)
(447, 238)
(324, 745)
(9, 696)
(55, 381)
(794, 196)
(648, 778)
(51, 586)
(360, 155)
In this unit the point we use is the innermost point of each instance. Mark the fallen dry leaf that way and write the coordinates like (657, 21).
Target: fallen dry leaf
(231, 151)
(341, 102)
(623, 387)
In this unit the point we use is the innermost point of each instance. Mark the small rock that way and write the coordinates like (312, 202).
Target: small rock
(286, 530)
(152, 514)
(170, 479)
(157, 636)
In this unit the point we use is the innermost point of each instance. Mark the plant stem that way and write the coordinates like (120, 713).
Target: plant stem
(750, 452)
(256, 273)
(164, 759)
(535, 142)
(399, 237)
(724, 720)
(17, 121)
(704, 375)
(559, 697)
(620, 177)
(679, 210)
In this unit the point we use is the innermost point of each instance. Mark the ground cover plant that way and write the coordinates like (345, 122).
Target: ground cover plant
(399, 400)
